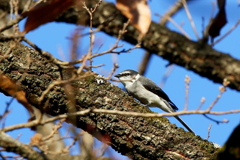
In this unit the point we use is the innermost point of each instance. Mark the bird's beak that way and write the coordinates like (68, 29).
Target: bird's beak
(117, 75)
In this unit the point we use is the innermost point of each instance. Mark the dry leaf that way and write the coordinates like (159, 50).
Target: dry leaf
(36, 139)
(219, 21)
(45, 12)
(12, 89)
(138, 11)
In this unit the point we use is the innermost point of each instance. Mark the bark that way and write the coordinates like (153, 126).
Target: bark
(136, 137)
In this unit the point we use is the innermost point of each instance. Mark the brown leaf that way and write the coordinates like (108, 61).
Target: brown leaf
(219, 21)
(36, 139)
(11, 88)
(46, 12)
(138, 11)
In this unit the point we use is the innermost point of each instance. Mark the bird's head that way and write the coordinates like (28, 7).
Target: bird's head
(127, 76)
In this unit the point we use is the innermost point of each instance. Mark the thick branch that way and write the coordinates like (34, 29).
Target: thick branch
(13, 145)
(195, 56)
(26, 151)
(136, 137)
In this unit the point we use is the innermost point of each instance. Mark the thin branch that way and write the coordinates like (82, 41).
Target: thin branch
(222, 90)
(115, 66)
(187, 81)
(11, 23)
(201, 104)
(170, 12)
(54, 131)
(62, 82)
(190, 18)
(216, 121)
(123, 113)
(15, 9)
(177, 26)
(16, 146)
(205, 32)
(209, 129)
(90, 12)
(227, 33)
(166, 75)
(2, 117)
(19, 18)
(46, 54)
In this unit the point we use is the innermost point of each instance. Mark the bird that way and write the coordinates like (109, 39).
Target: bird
(148, 93)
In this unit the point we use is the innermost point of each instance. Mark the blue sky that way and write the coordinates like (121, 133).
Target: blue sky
(52, 37)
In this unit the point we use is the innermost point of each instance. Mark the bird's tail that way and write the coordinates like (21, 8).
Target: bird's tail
(184, 124)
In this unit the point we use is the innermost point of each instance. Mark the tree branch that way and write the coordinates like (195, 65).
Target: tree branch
(13, 145)
(174, 47)
(26, 151)
(136, 137)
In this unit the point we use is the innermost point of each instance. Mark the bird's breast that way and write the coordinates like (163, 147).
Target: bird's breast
(143, 95)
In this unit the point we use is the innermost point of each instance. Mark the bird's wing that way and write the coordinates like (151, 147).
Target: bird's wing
(152, 87)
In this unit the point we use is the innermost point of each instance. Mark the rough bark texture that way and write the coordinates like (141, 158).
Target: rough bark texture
(172, 46)
(138, 138)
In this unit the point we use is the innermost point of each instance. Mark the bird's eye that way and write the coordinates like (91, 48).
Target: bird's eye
(126, 74)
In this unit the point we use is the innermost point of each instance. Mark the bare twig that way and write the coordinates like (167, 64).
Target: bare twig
(19, 18)
(2, 117)
(222, 90)
(177, 26)
(123, 113)
(115, 66)
(190, 18)
(17, 147)
(3, 158)
(68, 64)
(72, 144)
(209, 129)
(187, 81)
(166, 74)
(12, 45)
(90, 12)
(214, 120)
(205, 32)
(201, 104)
(46, 54)
(88, 33)
(15, 10)
(170, 12)
(11, 23)
(102, 149)
(86, 57)
(55, 129)
(227, 33)
(11, 9)
(62, 82)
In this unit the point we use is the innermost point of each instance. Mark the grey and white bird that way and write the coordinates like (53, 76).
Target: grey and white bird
(148, 93)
